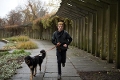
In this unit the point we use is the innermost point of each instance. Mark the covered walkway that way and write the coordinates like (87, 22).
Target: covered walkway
(95, 28)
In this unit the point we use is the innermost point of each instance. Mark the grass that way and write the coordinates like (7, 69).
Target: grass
(9, 62)
(20, 42)
(18, 38)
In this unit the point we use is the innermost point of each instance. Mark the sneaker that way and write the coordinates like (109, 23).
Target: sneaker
(63, 64)
(59, 77)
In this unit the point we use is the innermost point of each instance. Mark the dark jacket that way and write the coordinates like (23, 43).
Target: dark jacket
(63, 37)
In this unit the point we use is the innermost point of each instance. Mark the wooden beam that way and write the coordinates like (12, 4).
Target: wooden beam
(103, 56)
(109, 1)
(83, 7)
(90, 30)
(68, 15)
(79, 3)
(94, 33)
(71, 11)
(96, 3)
(81, 33)
(70, 6)
(118, 37)
(105, 27)
(75, 9)
(112, 28)
(84, 34)
(97, 54)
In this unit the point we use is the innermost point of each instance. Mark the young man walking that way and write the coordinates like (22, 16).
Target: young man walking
(61, 39)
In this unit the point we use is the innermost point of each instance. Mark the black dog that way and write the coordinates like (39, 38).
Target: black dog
(33, 61)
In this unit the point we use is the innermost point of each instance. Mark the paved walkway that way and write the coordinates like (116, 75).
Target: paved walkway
(77, 60)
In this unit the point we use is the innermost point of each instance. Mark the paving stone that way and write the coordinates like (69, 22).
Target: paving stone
(51, 70)
(49, 75)
(68, 74)
(71, 78)
(64, 78)
(27, 76)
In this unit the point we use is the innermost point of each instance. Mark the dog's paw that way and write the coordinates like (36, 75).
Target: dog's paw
(31, 78)
(34, 75)
(40, 69)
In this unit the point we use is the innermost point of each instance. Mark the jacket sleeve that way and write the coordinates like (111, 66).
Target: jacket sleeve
(69, 39)
(54, 39)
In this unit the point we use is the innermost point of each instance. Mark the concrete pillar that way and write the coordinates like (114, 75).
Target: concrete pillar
(97, 52)
(118, 37)
(90, 30)
(112, 27)
(81, 33)
(103, 56)
(84, 34)
(94, 34)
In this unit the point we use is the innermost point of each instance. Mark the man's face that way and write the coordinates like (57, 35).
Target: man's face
(60, 27)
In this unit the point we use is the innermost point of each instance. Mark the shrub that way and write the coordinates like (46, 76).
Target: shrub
(27, 45)
(23, 38)
(12, 39)
(4, 53)
(18, 51)
(9, 62)
(18, 38)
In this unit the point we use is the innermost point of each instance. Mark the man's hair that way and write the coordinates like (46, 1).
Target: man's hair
(61, 22)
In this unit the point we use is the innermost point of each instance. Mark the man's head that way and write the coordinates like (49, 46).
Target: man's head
(60, 26)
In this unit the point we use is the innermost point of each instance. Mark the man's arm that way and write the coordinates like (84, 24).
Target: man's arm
(69, 39)
(54, 39)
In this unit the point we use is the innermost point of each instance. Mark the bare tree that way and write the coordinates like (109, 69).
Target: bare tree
(14, 18)
(36, 7)
(3, 22)
(32, 10)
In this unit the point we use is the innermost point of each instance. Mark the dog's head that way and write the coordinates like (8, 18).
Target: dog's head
(43, 53)
(27, 60)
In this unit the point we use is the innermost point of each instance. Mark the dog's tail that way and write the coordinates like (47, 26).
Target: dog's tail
(43, 53)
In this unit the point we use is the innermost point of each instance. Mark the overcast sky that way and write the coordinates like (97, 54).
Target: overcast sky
(7, 5)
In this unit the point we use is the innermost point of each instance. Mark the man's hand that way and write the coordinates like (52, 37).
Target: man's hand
(65, 45)
(58, 44)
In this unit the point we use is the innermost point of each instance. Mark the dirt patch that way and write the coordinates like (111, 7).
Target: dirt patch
(100, 75)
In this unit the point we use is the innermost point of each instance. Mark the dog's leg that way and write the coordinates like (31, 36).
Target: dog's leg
(32, 71)
(40, 66)
(35, 71)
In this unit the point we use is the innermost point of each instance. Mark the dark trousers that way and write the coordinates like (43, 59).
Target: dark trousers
(61, 58)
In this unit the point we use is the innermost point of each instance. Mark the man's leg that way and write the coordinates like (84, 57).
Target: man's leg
(63, 58)
(59, 64)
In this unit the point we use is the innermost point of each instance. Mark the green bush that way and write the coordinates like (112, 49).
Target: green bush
(18, 51)
(4, 53)
(18, 38)
(9, 62)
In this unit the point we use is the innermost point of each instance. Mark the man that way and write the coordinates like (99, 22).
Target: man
(61, 39)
